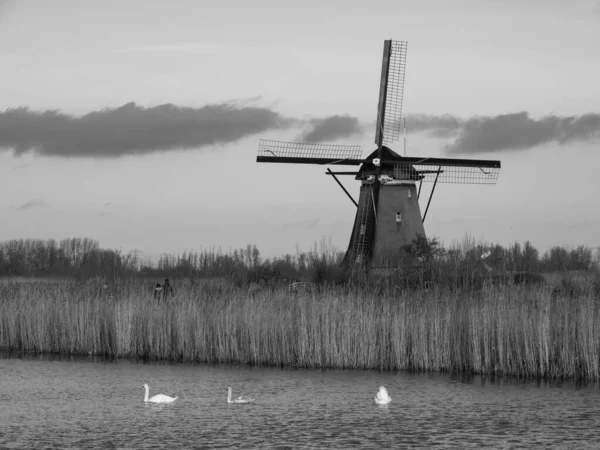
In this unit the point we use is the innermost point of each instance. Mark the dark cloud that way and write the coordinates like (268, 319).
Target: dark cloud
(132, 129)
(518, 131)
(135, 130)
(514, 131)
(331, 128)
(31, 204)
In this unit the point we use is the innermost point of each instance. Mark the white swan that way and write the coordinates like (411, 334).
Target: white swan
(239, 399)
(382, 397)
(159, 398)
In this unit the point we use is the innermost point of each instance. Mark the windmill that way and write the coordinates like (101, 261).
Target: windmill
(388, 215)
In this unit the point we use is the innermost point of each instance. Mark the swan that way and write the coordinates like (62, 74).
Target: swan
(239, 399)
(159, 398)
(382, 397)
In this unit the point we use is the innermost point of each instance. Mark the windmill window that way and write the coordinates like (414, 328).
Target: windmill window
(398, 217)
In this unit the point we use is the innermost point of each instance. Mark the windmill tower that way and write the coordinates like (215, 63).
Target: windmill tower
(388, 214)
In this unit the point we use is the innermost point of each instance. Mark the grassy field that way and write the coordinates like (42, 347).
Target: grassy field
(528, 331)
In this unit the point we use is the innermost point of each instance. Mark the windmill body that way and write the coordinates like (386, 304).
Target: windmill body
(388, 213)
(388, 216)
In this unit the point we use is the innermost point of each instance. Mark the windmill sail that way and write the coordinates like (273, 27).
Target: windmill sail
(446, 170)
(391, 92)
(307, 153)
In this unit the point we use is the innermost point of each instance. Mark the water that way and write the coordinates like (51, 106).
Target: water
(86, 403)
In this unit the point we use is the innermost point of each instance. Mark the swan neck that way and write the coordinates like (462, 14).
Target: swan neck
(146, 393)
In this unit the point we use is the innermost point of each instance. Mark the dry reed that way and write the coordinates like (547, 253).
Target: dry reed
(521, 331)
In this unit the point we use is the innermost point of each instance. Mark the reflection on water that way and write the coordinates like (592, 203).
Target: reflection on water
(79, 402)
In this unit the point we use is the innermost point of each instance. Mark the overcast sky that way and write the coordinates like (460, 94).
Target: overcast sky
(137, 123)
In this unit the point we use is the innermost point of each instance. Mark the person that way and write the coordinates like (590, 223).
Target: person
(167, 289)
(157, 290)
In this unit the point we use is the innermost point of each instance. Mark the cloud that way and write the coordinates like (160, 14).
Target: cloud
(135, 130)
(438, 126)
(31, 204)
(513, 131)
(518, 131)
(477, 134)
(331, 128)
(131, 129)
(243, 102)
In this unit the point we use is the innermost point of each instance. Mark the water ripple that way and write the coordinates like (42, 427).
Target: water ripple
(94, 405)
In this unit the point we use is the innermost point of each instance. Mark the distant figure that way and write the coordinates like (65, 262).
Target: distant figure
(167, 289)
(485, 256)
(157, 291)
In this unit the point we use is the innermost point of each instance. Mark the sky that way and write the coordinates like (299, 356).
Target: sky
(137, 123)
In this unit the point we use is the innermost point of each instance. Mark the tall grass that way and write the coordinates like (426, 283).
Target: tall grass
(522, 331)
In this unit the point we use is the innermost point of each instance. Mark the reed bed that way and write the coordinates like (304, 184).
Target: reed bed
(520, 331)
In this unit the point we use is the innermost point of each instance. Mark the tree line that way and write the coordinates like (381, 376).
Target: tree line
(83, 257)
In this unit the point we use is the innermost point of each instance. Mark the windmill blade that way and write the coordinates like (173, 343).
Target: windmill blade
(307, 153)
(459, 175)
(455, 171)
(391, 93)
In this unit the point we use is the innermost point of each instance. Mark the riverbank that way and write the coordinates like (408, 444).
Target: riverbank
(523, 331)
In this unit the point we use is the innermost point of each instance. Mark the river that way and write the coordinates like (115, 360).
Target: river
(91, 403)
